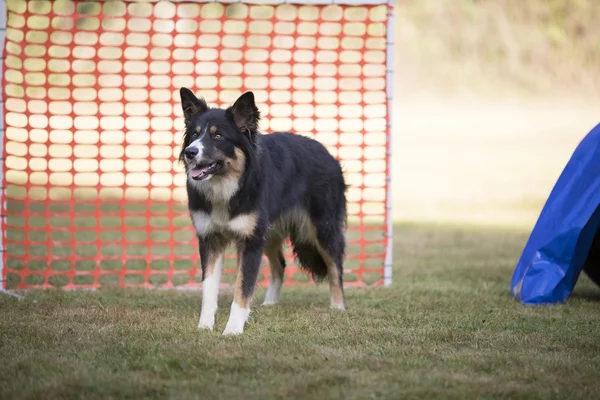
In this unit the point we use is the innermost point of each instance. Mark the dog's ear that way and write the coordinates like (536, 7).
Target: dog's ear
(192, 106)
(244, 113)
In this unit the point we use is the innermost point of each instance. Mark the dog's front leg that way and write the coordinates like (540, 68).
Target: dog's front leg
(250, 253)
(212, 250)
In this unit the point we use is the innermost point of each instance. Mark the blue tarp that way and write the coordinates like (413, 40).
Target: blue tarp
(556, 251)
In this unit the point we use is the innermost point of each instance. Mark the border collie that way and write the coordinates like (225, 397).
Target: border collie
(255, 191)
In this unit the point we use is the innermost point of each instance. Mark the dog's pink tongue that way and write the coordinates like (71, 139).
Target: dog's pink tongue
(197, 171)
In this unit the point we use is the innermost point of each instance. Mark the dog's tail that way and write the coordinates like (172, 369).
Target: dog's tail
(310, 260)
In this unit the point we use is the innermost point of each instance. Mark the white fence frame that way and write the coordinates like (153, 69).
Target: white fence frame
(387, 273)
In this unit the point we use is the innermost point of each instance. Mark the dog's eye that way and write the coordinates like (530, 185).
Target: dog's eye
(218, 136)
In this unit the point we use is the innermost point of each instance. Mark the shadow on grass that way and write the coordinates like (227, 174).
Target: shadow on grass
(591, 294)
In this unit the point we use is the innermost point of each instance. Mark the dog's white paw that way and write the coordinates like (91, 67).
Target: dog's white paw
(207, 318)
(207, 323)
(337, 306)
(233, 329)
(237, 320)
(273, 293)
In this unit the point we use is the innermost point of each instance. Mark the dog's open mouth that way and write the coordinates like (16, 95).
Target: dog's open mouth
(200, 172)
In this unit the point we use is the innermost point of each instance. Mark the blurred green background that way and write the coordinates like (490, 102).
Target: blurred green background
(491, 98)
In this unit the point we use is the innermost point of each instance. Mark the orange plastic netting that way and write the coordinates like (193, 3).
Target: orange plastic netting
(93, 192)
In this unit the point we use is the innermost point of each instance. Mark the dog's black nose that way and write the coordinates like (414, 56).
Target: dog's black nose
(190, 152)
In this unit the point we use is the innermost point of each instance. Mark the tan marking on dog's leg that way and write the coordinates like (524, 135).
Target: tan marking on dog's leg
(276, 275)
(335, 286)
(240, 308)
(335, 281)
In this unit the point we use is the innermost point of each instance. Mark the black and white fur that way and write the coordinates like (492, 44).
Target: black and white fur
(254, 191)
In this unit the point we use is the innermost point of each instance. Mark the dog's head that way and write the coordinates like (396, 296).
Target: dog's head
(217, 142)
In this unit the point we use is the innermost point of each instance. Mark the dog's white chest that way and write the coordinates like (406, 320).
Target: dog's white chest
(219, 221)
(220, 216)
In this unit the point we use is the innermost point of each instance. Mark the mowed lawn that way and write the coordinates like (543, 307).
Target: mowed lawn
(447, 328)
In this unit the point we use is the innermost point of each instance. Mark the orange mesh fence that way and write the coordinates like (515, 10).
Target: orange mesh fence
(93, 193)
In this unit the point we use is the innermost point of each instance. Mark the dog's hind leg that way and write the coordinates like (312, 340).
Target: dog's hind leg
(334, 275)
(321, 263)
(331, 246)
(277, 267)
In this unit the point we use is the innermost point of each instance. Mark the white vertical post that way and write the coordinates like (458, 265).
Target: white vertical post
(2, 39)
(3, 16)
(387, 269)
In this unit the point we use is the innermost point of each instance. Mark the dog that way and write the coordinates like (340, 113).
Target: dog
(256, 190)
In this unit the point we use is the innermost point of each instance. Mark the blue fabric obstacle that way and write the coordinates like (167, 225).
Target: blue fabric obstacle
(559, 244)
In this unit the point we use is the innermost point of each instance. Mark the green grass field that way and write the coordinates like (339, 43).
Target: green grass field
(447, 328)
(491, 98)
